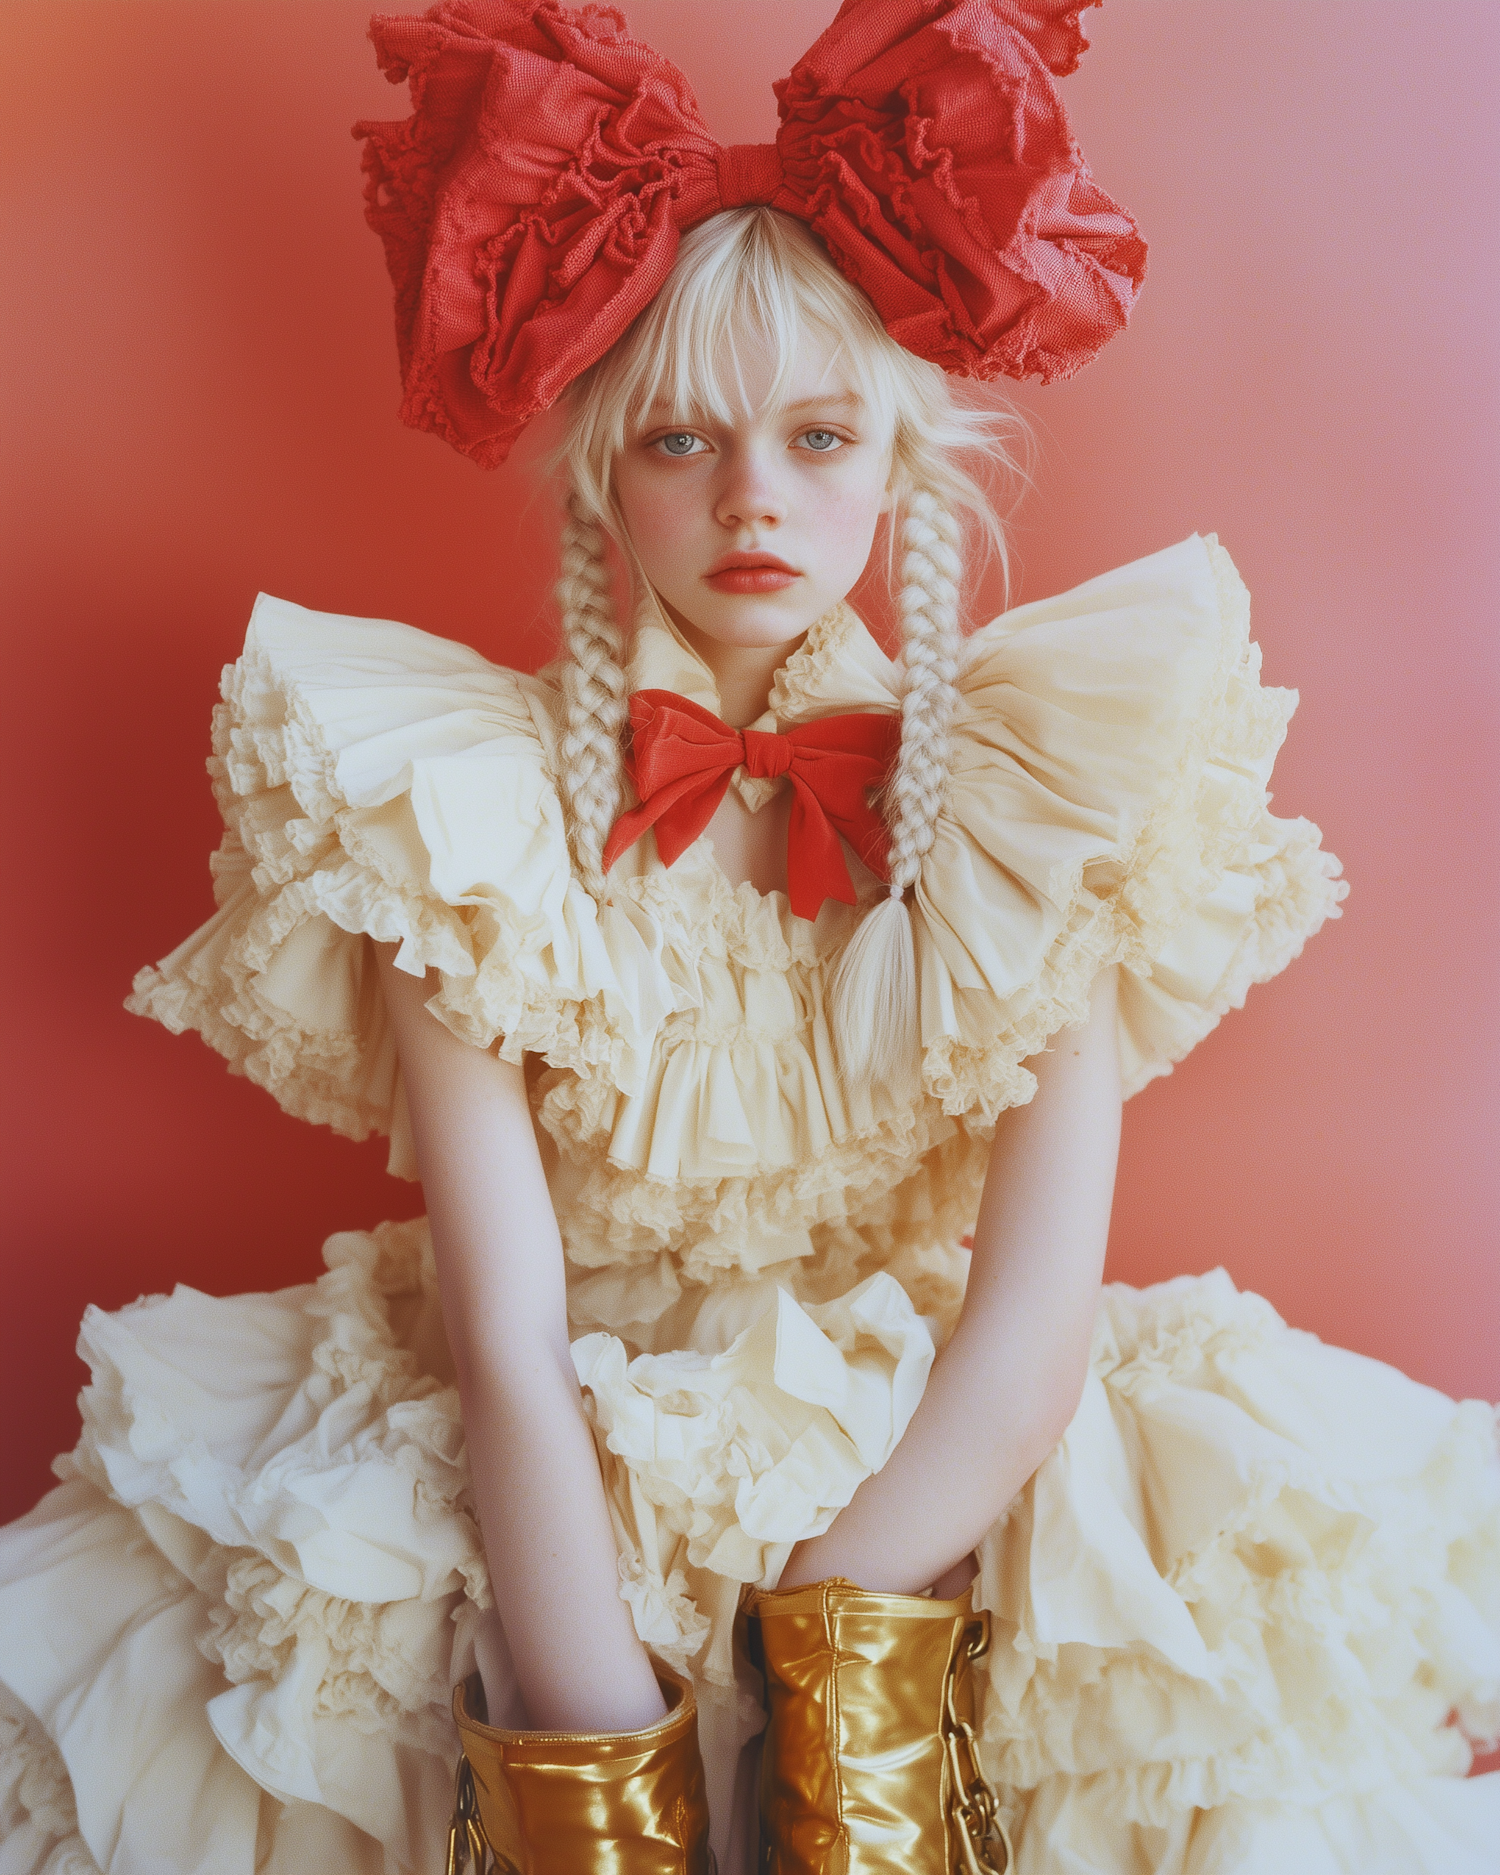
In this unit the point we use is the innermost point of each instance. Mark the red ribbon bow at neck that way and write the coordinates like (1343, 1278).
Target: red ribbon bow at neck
(681, 757)
(532, 203)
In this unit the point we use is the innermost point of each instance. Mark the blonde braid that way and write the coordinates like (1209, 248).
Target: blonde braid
(874, 990)
(594, 694)
(930, 573)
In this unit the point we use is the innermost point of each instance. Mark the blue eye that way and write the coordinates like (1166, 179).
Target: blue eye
(822, 440)
(678, 443)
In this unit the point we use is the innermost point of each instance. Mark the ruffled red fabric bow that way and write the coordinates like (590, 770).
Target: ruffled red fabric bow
(681, 757)
(532, 203)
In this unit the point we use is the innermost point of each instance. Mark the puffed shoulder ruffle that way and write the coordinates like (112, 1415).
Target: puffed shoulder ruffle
(379, 782)
(1108, 804)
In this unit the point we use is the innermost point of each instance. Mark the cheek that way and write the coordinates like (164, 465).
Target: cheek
(660, 513)
(843, 513)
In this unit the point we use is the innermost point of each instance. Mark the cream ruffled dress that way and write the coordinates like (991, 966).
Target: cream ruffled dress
(1235, 1612)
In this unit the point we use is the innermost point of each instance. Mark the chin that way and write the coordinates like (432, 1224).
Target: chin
(753, 625)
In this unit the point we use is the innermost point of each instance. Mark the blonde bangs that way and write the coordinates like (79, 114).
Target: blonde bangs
(746, 278)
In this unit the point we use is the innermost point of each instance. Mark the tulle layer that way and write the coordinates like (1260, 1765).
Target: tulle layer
(1236, 1612)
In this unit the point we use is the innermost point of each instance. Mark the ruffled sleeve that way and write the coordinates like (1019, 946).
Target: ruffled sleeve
(1108, 804)
(379, 783)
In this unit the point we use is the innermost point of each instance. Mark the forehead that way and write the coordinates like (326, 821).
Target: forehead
(754, 374)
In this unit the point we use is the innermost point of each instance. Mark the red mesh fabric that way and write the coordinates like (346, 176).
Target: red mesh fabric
(532, 203)
(749, 174)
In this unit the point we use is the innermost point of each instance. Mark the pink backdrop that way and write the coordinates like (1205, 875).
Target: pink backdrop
(201, 383)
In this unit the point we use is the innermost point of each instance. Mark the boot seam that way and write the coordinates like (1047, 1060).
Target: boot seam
(836, 1714)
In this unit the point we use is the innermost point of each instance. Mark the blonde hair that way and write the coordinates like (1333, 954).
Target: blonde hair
(757, 274)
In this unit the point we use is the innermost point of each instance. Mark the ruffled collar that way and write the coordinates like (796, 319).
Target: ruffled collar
(838, 666)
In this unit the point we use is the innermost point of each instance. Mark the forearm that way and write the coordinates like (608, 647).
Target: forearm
(551, 1552)
(537, 1489)
(1003, 1390)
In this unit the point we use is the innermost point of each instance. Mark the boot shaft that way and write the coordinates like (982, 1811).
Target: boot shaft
(870, 1762)
(557, 1803)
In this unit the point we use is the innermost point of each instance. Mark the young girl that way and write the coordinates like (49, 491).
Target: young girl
(756, 1012)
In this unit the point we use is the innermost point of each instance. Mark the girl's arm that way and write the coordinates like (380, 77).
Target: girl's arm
(537, 1486)
(1006, 1386)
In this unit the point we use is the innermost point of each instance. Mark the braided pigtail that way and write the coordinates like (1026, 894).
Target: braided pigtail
(874, 991)
(594, 694)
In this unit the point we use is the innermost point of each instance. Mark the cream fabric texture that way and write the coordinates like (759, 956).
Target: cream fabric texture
(1235, 1612)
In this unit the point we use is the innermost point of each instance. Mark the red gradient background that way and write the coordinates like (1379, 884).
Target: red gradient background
(201, 391)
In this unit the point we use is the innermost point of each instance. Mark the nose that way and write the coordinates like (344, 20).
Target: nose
(750, 494)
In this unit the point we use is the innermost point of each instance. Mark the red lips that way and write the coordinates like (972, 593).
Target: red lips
(749, 573)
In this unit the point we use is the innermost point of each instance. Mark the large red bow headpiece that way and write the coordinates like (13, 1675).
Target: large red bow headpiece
(532, 203)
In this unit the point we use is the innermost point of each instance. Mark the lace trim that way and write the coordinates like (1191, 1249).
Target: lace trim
(910, 1183)
(807, 671)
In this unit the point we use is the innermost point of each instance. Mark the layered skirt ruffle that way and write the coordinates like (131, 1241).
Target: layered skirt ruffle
(1246, 1616)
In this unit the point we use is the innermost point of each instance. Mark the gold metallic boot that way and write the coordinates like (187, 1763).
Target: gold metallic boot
(581, 1803)
(870, 1764)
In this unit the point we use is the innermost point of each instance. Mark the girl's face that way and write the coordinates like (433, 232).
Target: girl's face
(751, 529)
